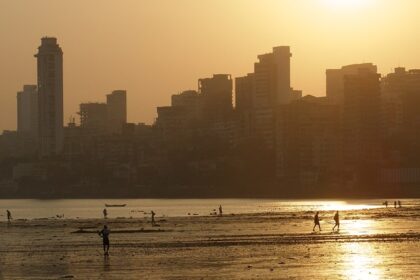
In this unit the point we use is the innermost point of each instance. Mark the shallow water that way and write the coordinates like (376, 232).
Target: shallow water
(255, 239)
(92, 208)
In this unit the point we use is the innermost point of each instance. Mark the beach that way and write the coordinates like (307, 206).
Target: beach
(373, 243)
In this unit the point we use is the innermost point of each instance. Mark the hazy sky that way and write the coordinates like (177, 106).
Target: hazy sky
(155, 48)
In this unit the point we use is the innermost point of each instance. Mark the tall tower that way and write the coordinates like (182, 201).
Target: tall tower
(362, 134)
(116, 110)
(50, 97)
(271, 86)
(272, 78)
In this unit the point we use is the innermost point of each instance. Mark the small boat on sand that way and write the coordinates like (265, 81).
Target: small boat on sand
(115, 205)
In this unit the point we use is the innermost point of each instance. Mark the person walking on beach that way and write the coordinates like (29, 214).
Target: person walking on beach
(105, 213)
(220, 211)
(337, 221)
(395, 204)
(316, 222)
(104, 233)
(399, 204)
(386, 203)
(153, 217)
(9, 216)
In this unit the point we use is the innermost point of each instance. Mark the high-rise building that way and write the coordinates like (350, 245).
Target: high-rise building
(93, 117)
(50, 97)
(335, 80)
(244, 92)
(272, 88)
(190, 101)
(400, 114)
(272, 78)
(216, 96)
(187, 98)
(362, 126)
(117, 110)
(27, 111)
(173, 122)
(308, 141)
(244, 106)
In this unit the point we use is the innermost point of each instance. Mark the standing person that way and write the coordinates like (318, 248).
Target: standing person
(9, 216)
(337, 221)
(386, 203)
(220, 210)
(105, 213)
(104, 233)
(395, 204)
(316, 222)
(153, 217)
(399, 204)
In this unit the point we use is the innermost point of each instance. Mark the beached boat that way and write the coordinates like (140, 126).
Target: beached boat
(115, 205)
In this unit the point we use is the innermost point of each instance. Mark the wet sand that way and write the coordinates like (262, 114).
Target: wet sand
(372, 244)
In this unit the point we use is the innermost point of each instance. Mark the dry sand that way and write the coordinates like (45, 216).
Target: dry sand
(372, 244)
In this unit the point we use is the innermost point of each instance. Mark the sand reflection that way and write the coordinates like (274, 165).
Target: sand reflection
(360, 261)
(345, 206)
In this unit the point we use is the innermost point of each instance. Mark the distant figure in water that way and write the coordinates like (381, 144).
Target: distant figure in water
(220, 210)
(9, 216)
(104, 233)
(385, 203)
(399, 204)
(316, 222)
(153, 217)
(395, 204)
(337, 221)
(105, 213)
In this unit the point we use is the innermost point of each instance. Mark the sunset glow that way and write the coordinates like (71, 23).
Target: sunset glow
(196, 139)
(348, 4)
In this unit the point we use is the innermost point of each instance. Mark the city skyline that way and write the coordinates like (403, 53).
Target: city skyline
(330, 74)
(152, 68)
(209, 139)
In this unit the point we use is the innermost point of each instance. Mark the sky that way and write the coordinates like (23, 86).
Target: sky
(156, 48)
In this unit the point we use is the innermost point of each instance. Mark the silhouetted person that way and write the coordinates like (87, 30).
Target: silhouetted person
(105, 213)
(220, 210)
(316, 222)
(337, 221)
(153, 217)
(395, 204)
(386, 203)
(399, 204)
(104, 233)
(9, 216)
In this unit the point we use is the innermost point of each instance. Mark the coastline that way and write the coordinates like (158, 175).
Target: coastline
(374, 243)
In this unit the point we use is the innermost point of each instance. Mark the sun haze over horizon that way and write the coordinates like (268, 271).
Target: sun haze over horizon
(154, 49)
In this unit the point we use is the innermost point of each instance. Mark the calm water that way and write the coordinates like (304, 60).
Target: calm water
(92, 208)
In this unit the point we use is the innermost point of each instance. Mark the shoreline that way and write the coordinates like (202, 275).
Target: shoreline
(379, 243)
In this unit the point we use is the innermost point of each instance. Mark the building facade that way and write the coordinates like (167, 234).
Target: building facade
(362, 126)
(335, 79)
(215, 97)
(50, 97)
(27, 111)
(116, 110)
(308, 141)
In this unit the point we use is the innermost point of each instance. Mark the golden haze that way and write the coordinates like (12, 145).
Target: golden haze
(154, 48)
